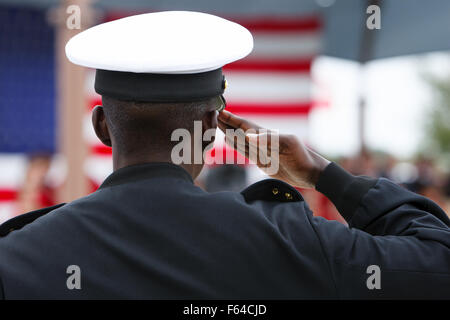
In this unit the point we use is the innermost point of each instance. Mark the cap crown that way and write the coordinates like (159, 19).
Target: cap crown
(171, 42)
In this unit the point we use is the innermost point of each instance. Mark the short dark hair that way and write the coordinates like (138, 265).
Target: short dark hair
(135, 124)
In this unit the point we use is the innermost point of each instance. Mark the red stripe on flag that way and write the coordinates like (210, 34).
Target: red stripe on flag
(94, 102)
(101, 149)
(283, 24)
(227, 153)
(114, 15)
(279, 109)
(303, 65)
(8, 195)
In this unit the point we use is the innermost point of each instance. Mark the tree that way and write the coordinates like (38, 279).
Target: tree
(437, 129)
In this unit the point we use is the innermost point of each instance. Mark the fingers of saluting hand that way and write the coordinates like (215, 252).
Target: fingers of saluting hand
(252, 141)
(236, 122)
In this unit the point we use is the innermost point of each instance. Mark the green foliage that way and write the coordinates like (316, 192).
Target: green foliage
(438, 126)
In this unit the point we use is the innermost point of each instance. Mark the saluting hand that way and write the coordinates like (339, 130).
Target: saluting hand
(297, 164)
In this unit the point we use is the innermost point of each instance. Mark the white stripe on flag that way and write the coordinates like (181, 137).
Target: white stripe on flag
(12, 170)
(267, 87)
(98, 168)
(88, 131)
(8, 209)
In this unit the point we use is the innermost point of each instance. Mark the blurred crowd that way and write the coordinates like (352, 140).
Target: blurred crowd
(421, 175)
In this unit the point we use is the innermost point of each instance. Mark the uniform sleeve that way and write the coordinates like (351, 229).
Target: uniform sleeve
(397, 244)
(2, 294)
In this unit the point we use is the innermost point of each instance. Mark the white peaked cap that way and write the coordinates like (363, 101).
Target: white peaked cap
(169, 42)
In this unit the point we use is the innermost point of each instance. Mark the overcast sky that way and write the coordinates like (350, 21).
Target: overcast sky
(398, 100)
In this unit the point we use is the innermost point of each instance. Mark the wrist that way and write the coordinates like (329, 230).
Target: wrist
(319, 165)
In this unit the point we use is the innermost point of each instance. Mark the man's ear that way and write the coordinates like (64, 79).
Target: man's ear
(100, 126)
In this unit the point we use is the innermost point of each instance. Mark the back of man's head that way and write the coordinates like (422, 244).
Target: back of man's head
(138, 126)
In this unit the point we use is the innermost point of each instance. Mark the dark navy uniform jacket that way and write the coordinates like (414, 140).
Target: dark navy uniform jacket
(149, 232)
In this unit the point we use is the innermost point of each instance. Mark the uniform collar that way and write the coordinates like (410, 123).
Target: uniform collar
(144, 171)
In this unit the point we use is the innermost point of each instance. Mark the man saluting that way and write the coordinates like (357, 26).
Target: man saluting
(149, 232)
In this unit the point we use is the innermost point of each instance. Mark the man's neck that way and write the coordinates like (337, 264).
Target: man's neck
(121, 161)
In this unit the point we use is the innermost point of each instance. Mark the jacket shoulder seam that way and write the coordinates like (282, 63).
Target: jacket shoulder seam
(22, 220)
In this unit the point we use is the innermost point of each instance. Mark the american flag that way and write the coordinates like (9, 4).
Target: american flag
(272, 87)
